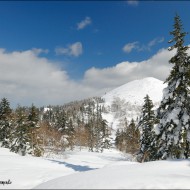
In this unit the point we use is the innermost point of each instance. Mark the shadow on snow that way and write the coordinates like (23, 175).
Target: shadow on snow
(74, 167)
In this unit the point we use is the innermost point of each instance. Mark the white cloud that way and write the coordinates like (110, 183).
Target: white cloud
(108, 78)
(81, 25)
(130, 46)
(39, 51)
(132, 2)
(75, 49)
(151, 44)
(26, 77)
(141, 47)
(155, 41)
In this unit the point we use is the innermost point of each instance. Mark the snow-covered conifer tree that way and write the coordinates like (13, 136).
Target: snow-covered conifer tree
(5, 123)
(32, 122)
(60, 121)
(146, 124)
(173, 131)
(22, 140)
(70, 130)
(105, 134)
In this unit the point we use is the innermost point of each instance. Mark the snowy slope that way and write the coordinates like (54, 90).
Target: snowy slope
(135, 91)
(151, 175)
(129, 99)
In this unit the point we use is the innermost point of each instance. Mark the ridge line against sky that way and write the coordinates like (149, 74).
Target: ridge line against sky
(51, 51)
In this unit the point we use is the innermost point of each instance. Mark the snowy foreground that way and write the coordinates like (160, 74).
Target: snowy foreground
(86, 170)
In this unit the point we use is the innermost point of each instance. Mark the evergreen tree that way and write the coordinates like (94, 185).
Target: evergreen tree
(90, 126)
(5, 123)
(61, 121)
(146, 124)
(97, 129)
(71, 134)
(132, 138)
(33, 116)
(32, 122)
(121, 136)
(22, 139)
(174, 111)
(118, 139)
(90, 135)
(101, 132)
(106, 139)
(48, 115)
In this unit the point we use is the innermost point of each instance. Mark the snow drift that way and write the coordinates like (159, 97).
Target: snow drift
(151, 175)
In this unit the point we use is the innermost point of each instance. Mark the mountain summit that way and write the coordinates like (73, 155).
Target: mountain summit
(135, 91)
(125, 102)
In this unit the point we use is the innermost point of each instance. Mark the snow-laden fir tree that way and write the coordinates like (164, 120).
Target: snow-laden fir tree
(101, 131)
(173, 131)
(118, 140)
(146, 124)
(60, 124)
(5, 123)
(105, 135)
(60, 121)
(70, 131)
(33, 124)
(98, 129)
(21, 143)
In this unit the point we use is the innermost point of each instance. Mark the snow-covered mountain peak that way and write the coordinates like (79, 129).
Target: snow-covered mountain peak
(126, 101)
(135, 91)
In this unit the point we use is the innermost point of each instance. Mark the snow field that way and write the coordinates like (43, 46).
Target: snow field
(152, 175)
(88, 170)
(26, 172)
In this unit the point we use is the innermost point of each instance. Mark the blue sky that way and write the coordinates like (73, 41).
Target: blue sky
(77, 36)
(47, 25)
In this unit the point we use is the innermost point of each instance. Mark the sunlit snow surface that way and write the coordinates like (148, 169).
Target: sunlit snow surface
(87, 170)
(151, 175)
(26, 171)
